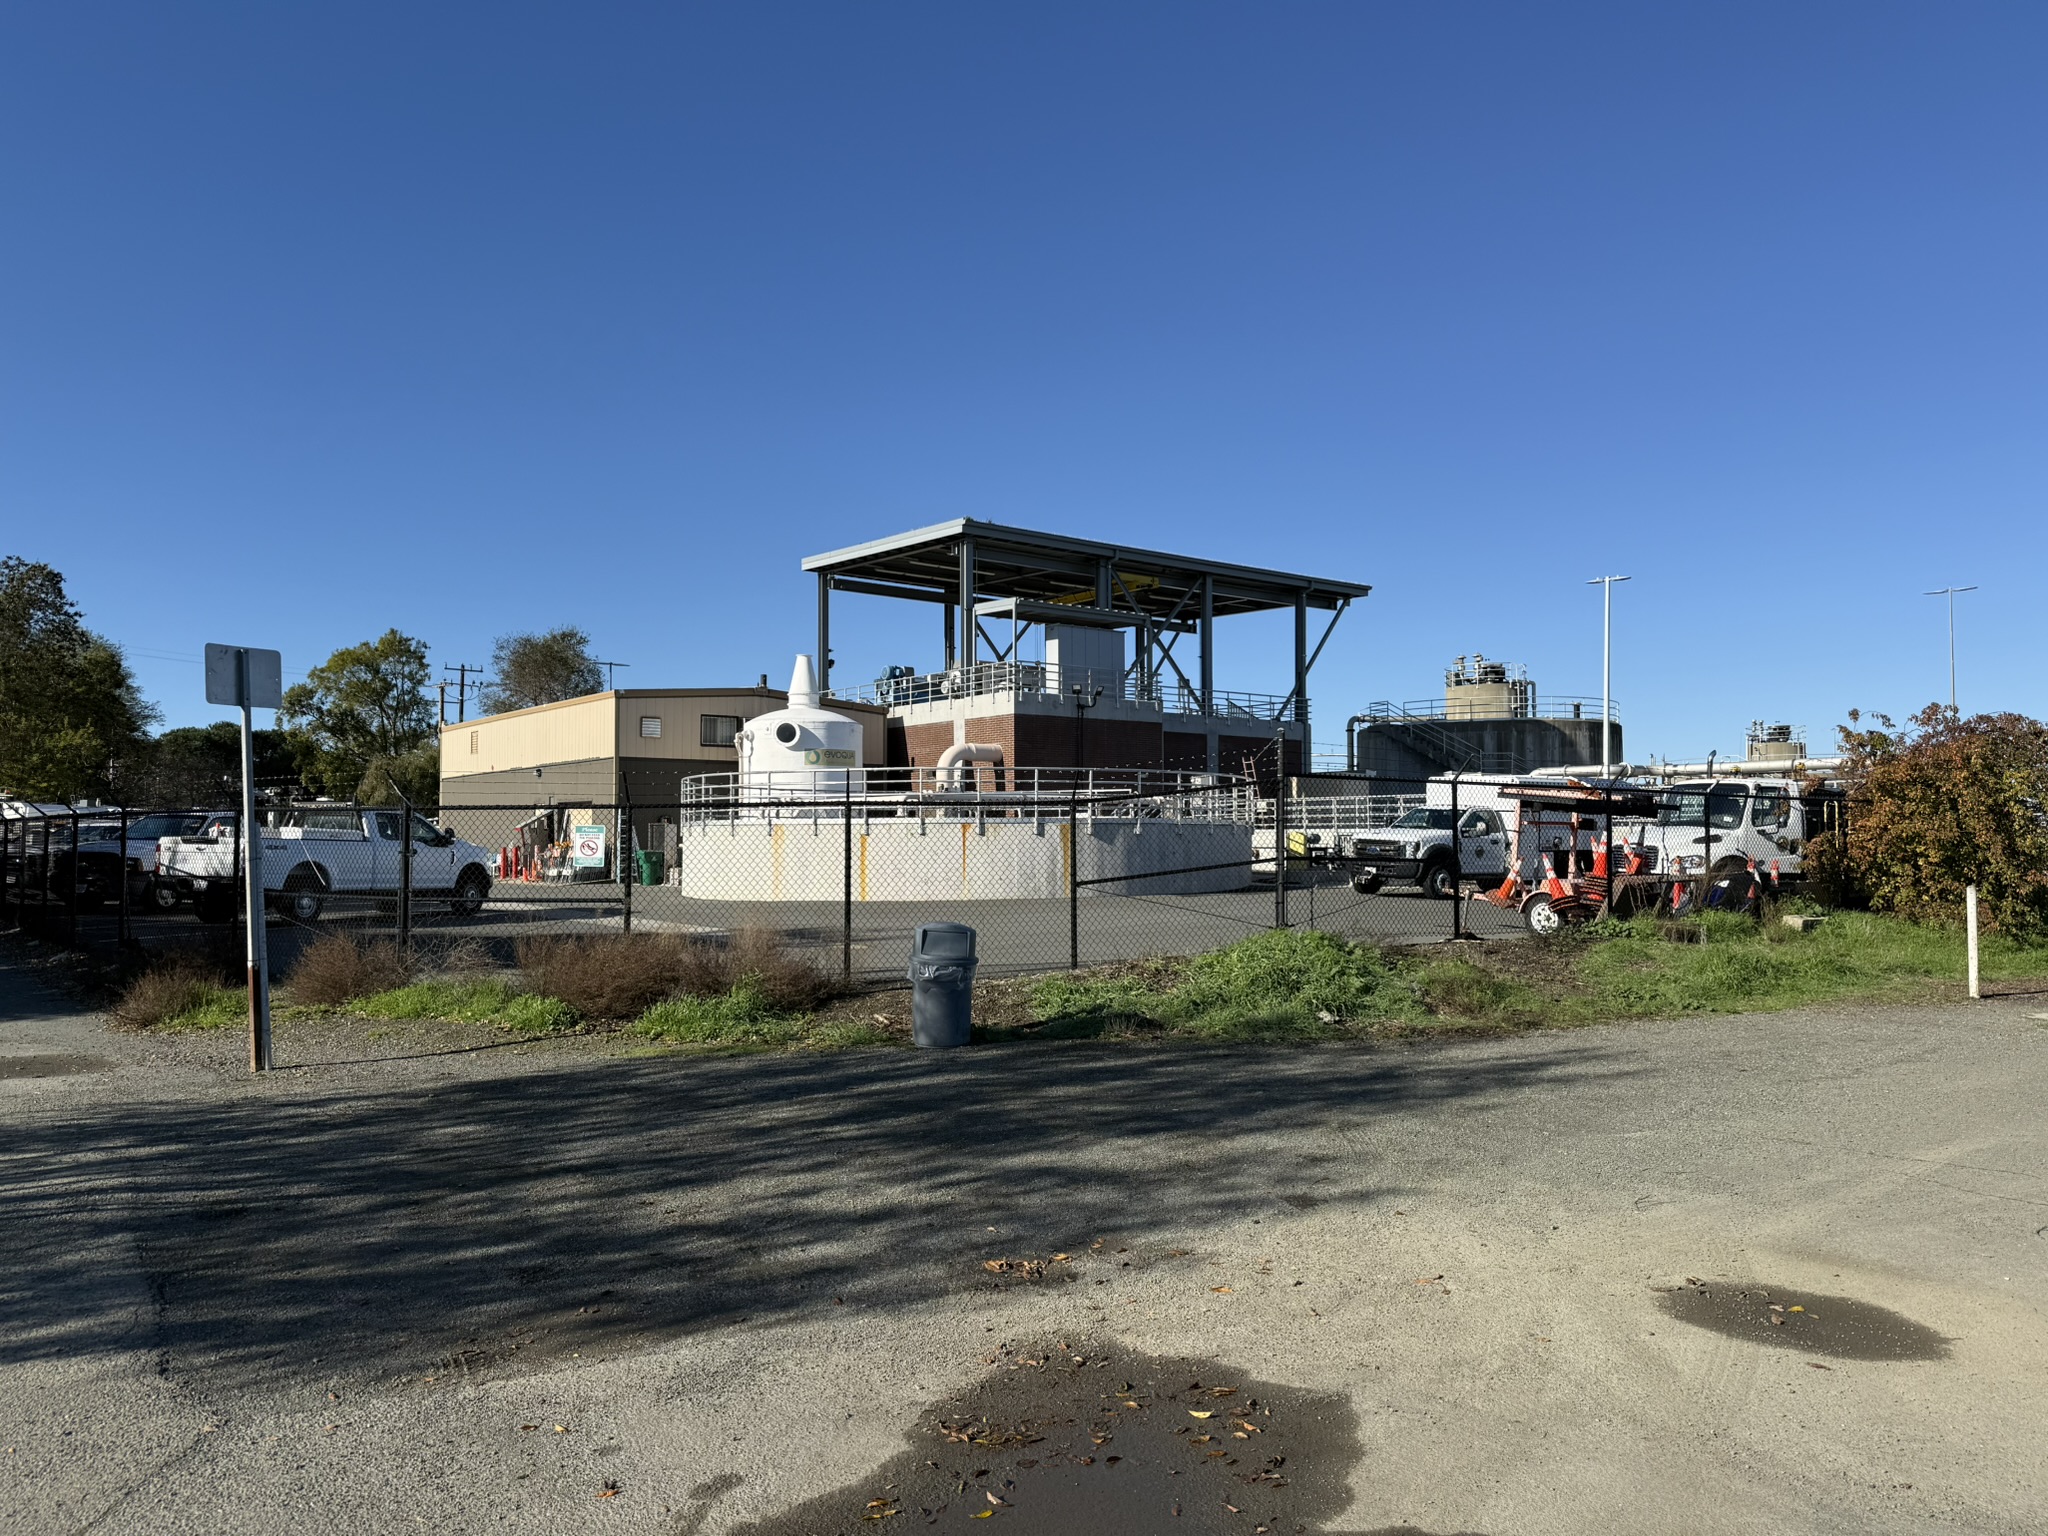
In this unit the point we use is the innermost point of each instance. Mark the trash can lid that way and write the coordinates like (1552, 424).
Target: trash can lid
(943, 941)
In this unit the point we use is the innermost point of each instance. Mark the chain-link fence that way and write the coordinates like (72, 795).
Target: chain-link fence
(1054, 868)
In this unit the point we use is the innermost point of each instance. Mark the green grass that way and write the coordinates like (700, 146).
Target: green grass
(487, 1001)
(1302, 985)
(218, 1008)
(743, 1019)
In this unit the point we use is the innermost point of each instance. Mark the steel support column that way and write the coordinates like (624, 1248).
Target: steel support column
(967, 615)
(824, 631)
(1301, 672)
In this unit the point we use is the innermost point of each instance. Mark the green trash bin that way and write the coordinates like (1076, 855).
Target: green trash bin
(651, 869)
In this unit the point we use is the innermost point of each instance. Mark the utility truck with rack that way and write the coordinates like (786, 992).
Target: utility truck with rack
(313, 853)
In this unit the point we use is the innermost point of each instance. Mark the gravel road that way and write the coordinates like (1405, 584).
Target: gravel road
(427, 1279)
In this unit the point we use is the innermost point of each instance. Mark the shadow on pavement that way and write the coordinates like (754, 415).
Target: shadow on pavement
(597, 1207)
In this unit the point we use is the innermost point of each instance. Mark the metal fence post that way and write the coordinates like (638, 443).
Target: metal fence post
(624, 858)
(1457, 866)
(71, 897)
(1074, 884)
(404, 872)
(43, 912)
(846, 892)
(1280, 842)
(122, 938)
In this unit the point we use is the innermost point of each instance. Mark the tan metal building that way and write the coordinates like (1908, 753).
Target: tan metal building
(637, 744)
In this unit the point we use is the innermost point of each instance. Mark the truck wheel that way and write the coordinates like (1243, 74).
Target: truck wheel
(470, 890)
(1365, 885)
(1542, 916)
(303, 895)
(164, 896)
(1438, 882)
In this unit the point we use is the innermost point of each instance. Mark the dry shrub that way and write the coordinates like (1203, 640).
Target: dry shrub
(167, 989)
(455, 957)
(784, 981)
(337, 969)
(603, 975)
(621, 976)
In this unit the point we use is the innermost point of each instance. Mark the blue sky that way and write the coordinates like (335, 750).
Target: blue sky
(318, 320)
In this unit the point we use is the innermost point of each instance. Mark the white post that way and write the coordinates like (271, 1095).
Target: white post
(252, 876)
(1606, 585)
(1606, 678)
(1970, 921)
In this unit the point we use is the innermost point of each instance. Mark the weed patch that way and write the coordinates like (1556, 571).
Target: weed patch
(471, 1001)
(338, 969)
(743, 1016)
(180, 993)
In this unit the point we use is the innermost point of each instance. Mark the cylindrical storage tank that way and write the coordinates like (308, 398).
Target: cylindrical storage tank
(804, 750)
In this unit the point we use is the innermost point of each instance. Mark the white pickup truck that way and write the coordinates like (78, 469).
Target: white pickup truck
(311, 853)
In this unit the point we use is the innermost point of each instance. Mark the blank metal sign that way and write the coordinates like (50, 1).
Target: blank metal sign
(224, 677)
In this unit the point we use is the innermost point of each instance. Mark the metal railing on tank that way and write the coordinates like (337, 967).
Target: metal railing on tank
(967, 791)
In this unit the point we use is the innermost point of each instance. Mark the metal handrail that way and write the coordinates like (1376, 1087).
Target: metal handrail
(1048, 680)
(970, 790)
(1553, 706)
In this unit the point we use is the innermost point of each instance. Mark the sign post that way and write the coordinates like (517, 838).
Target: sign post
(251, 680)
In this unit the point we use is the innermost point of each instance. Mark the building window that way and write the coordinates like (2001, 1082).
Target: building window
(650, 725)
(718, 730)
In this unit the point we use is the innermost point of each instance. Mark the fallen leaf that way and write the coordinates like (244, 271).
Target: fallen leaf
(1061, 1258)
(982, 1514)
(609, 1491)
(990, 1495)
(1200, 1439)
(1220, 1290)
(1817, 1366)
(561, 1429)
(1429, 1280)
(1223, 1391)
(525, 1427)
(1795, 1309)
(1201, 1413)
(1231, 1507)
(1110, 1461)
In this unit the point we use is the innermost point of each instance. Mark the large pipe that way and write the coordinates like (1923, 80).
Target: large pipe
(958, 756)
(1789, 768)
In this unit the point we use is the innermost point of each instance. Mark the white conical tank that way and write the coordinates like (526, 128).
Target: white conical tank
(804, 749)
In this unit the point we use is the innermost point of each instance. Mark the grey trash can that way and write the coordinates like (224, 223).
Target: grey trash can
(942, 962)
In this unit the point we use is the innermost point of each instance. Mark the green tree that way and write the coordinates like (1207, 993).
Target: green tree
(201, 765)
(1945, 802)
(69, 708)
(360, 711)
(540, 669)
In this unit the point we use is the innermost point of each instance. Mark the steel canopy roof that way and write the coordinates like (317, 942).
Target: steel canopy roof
(924, 564)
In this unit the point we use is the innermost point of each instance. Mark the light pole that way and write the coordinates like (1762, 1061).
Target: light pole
(1950, 594)
(1606, 584)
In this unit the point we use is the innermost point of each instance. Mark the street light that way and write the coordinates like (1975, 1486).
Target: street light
(1606, 584)
(1950, 594)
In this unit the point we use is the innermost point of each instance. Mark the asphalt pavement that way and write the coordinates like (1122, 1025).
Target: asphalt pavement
(428, 1279)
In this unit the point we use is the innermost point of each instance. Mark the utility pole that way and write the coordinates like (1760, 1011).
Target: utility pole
(441, 712)
(1606, 584)
(608, 666)
(1950, 594)
(461, 669)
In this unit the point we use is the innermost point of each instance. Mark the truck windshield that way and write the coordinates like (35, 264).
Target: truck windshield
(1723, 805)
(1425, 819)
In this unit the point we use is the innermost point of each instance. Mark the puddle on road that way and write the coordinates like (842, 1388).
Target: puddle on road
(52, 1064)
(1785, 1318)
(1076, 1439)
